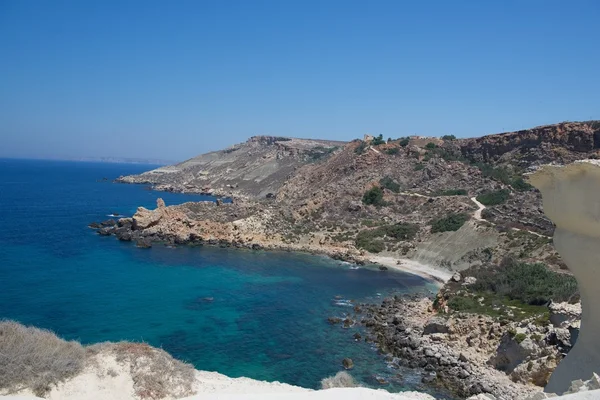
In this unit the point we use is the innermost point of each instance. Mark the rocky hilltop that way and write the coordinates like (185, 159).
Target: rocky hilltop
(440, 207)
(450, 203)
(254, 168)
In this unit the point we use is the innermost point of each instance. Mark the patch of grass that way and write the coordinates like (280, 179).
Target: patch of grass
(373, 196)
(419, 166)
(36, 358)
(390, 184)
(452, 222)
(451, 192)
(494, 198)
(374, 240)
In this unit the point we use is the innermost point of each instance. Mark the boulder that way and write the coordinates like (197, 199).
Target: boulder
(144, 218)
(562, 315)
(436, 325)
(347, 363)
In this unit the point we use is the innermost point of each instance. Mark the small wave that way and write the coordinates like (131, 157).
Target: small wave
(115, 215)
(343, 303)
(354, 267)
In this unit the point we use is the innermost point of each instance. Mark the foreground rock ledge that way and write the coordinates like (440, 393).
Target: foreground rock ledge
(571, 198)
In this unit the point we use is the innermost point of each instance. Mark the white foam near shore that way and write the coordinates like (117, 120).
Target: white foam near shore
(414, 267)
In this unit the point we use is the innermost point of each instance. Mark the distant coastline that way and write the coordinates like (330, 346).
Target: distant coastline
(111, 160)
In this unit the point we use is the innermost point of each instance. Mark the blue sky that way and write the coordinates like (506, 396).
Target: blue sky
(173, 79)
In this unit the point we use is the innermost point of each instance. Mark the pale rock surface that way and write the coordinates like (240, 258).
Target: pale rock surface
(571, 200)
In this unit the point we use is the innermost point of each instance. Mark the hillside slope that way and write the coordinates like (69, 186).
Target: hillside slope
(254, 168)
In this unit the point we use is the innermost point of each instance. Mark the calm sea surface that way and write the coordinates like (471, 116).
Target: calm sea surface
(241, 313)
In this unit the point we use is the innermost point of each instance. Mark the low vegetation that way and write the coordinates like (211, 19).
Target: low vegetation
(451, 192)
(532, 284)
(373, 196)
(494, 198)
(390, 184)
(451, 222)
(392, 151)
(377, 140)
(155, 374)
(514, 291)
(419, 166)
(361, 147)
(375, 240)
(430, 146)
(404, 141)
(449, 137)
(36, 358)
(520, 185)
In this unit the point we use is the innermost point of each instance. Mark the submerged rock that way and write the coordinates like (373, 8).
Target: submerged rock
(347, 363)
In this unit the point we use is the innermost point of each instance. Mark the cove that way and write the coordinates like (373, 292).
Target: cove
(242, 313)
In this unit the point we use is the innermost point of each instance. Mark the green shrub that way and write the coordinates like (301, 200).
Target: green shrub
(392, 151)
(404, 142)
(498, 173)
(520, 185)
(419, 166)
(494, 198)
(377, 140)
(451, 192)
(519, 337)
(452, 222)
(464, 304)
(373, 240)
(532, 284)
(390, 184)
(372, 245)
(361, 148)
(430, 146)
(449, 137)
(373, 196)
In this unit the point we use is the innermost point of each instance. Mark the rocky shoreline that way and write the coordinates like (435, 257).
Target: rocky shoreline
(466, 354)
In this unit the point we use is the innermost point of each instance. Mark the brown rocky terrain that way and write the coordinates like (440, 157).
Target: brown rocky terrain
(254, 168)
(451, 205)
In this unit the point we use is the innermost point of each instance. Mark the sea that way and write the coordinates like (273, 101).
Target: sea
(248, 313)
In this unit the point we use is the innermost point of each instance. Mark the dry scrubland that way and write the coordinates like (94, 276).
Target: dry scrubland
(37, 359)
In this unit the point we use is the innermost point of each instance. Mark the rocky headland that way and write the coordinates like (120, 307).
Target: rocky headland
(457, 210)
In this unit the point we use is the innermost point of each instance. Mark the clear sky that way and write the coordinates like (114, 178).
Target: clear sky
(172, 79)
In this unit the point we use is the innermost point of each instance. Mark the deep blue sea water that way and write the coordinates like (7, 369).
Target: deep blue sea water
(267, 317)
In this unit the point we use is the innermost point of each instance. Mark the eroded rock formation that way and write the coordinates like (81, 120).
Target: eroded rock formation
(571, 197)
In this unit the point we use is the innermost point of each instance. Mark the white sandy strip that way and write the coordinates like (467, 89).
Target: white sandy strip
(329, 394)
(426, 271)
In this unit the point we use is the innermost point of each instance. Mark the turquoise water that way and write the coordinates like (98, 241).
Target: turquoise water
(241, 313)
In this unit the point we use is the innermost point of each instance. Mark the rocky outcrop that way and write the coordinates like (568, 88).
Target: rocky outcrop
(542, 144)
(570, 195)
(251, 169)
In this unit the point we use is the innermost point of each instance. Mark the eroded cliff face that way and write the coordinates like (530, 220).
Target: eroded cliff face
(562, 143)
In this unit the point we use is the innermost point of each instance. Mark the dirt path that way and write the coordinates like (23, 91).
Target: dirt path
(481, 207)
